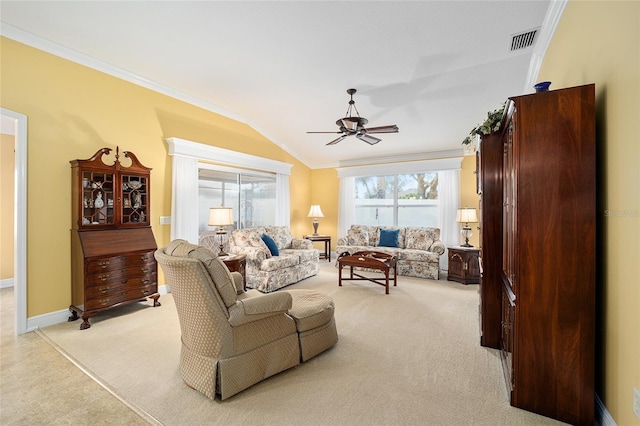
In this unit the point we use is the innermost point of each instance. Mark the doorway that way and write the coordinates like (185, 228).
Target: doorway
(14, 123)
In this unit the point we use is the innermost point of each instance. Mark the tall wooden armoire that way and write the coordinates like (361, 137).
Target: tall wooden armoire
(548, 257)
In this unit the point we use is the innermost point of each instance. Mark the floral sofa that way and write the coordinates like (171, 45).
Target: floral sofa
(271, 268)
(418, 249)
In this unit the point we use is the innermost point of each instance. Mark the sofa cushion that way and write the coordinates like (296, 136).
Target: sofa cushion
(310, 255)
(421, 238)
(280, 262)
(310, 309)
(271, 245)
(388, 237)
(357, 237)
(281, 235)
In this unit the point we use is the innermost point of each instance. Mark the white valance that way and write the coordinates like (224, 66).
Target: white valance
(423, 166)
(200, 151)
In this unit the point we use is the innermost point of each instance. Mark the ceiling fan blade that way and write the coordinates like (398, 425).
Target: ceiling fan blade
(383, 129)
(368, 138)
(325, 132)
(335, 141)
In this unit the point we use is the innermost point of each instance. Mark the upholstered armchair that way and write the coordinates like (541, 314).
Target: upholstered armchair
(232, 339)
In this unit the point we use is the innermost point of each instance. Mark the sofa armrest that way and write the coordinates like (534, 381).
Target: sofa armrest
(301, 244)
(437, 247)
(343, 241)
(256, 308)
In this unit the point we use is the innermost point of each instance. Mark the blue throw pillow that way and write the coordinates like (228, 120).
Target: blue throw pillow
(388, 238)
(273, 248)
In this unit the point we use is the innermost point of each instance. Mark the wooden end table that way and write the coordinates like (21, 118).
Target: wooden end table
(327, 244)
(464, 266)
(237, 263)
(371, 260)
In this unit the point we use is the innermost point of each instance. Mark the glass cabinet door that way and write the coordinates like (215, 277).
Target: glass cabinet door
(97, 198)
(135, 200)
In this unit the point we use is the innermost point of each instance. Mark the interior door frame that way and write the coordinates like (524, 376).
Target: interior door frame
(20, 219)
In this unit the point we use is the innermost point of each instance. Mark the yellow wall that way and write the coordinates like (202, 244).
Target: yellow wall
(6, 206)
(72, 112)
(324, 191)
(599, 42)
(468, 195)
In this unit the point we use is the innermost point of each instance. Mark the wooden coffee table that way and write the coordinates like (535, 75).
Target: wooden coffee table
(371, 260)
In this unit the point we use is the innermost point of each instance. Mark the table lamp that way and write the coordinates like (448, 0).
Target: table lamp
(221, 216)
(466, 215)
(315, 212)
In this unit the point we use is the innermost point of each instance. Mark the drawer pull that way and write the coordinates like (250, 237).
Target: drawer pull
(145, 292)
(103, 265)
(104, 277)
(104, 302)
(145, 270)
(144, 258)
(103, 289)
(145, 281)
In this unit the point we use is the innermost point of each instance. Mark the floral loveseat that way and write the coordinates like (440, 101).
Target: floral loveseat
(418, 249)
(268, 269)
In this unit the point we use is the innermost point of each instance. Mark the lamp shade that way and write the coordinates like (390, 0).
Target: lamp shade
(220, 216)
(315, 211)
(466, 215)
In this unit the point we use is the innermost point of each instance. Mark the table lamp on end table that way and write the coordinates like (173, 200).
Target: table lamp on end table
(315, 212)
(221, 216)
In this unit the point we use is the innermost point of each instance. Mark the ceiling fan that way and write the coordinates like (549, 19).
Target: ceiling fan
(354, 125)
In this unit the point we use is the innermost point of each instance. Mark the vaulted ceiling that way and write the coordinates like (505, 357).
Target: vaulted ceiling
(434, 68)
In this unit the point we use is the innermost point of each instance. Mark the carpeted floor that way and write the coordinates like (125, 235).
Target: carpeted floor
(408, 358)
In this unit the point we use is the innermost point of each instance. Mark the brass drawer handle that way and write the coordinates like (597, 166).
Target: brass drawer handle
(145, 270)
(104, 302)
(145, 281)
(145, 292)
(103, 265)
(104, 277)
(103, 289)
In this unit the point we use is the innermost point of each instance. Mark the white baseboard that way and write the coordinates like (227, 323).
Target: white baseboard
(52, 318)
(602, 416)
(6, 283)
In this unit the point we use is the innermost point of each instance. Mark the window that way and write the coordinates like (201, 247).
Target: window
(252, 195)
(397, 200)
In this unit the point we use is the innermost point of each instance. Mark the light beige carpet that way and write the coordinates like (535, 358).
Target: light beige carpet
(408, 358)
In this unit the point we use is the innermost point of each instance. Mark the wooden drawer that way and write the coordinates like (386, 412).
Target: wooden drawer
(106, 264)
(141, 292)
(115, 296)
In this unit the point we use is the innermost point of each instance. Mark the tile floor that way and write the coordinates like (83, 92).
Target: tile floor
(39, 386)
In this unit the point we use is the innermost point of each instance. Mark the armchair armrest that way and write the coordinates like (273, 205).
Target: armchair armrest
(437, 247)
(343, 241)
(301, 244)
(238, 282)
(256, 308)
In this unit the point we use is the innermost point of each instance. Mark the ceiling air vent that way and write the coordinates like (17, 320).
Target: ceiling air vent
(523, 40)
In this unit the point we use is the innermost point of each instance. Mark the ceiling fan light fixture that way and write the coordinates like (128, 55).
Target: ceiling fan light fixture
(352, 124)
